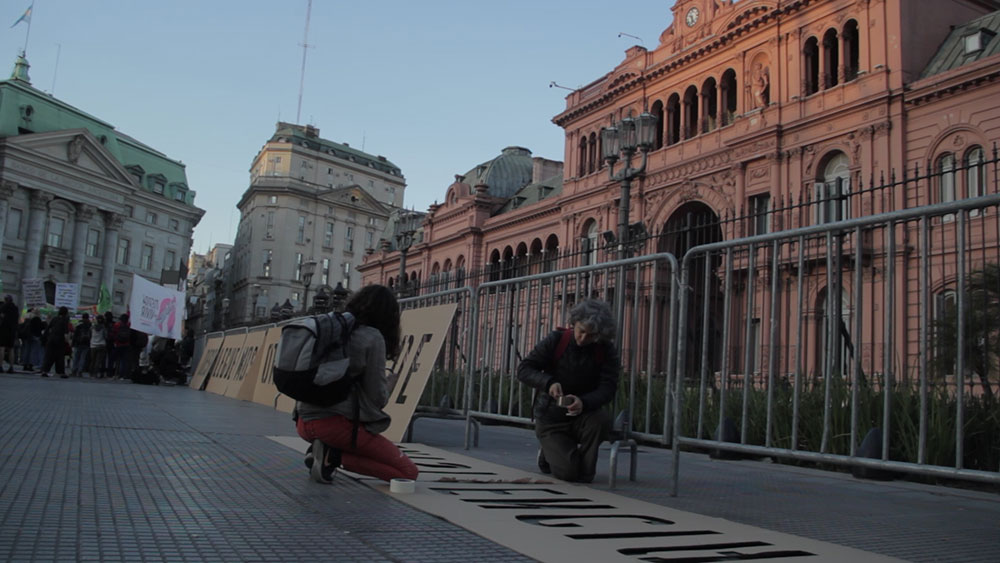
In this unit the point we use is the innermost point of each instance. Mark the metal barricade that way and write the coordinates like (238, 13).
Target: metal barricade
(513, 315)
(883, 327)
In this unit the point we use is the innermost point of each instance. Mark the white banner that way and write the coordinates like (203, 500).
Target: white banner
(33, 292)
(68, 295)
(155, 309)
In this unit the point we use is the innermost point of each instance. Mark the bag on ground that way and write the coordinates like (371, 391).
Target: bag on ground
(311, 362)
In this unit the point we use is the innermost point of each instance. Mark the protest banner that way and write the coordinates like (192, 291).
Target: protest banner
(33, 292)
(155, 309)
(68, 295)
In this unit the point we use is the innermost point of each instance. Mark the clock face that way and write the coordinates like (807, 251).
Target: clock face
(692, 17)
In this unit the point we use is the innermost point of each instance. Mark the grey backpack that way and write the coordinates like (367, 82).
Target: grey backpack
(311, 361)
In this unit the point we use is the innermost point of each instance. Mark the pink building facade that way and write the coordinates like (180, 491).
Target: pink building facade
(771, 115)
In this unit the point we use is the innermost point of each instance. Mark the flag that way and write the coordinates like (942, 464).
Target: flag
(104, 300)
(26, 16)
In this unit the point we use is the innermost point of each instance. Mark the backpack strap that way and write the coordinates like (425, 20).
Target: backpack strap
(564, 339)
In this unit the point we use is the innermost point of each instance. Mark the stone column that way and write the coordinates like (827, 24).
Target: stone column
(6, 194)
(84, 213)
(36, 228)
(112, 224)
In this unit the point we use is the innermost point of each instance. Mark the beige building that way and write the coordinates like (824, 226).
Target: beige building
(310, 200)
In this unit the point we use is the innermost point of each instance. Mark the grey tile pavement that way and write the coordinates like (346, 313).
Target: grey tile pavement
(97, 470)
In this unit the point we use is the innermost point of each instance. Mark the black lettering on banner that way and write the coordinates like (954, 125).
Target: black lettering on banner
(414, 367)
(404, 353)
(498, 491)
(442, 465)
(566, 520)
(723, 552)
(206, 363)
(539, 504)
(267, 373)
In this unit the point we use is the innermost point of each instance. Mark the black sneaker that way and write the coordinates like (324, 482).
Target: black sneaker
(543, 465)
(309, 457)
(331, 463)
(316, 470)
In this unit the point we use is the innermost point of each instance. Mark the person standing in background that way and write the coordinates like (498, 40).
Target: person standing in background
(81, 345)
(9, 319)
(55, 343)
(98, 348)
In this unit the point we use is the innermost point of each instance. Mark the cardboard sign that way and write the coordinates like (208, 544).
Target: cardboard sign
(33, 292)
(212, 346)
(423, 332)
(225, 366)
(68, 295)
(243, 382)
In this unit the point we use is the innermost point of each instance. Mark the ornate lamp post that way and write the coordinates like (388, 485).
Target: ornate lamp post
(321, 303)
(254, 295)
(405, 230)
(225, 312)
(625, 137)
(308, 269)
(339, 297)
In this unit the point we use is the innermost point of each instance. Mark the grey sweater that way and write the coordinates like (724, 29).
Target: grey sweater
(367, 352)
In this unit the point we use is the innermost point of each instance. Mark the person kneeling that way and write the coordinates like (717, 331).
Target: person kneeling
(576, 371)
(338, 435)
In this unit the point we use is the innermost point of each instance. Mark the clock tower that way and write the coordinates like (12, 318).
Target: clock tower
(692, 21)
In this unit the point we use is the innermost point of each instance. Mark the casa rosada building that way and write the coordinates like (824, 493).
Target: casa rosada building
(770, 115)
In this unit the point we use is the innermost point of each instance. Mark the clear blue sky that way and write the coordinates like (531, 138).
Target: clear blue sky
(436, 87)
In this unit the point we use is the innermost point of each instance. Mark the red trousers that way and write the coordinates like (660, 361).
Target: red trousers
(374, 454)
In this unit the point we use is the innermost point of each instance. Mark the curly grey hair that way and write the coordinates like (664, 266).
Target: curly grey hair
(595, 315)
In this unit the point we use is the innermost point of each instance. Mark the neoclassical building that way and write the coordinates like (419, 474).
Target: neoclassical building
(770, 115)
(310, 200)
(82, 202)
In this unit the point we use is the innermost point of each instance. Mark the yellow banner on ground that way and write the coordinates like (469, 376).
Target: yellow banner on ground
(225, 366)
(264, 391)
(243, 382)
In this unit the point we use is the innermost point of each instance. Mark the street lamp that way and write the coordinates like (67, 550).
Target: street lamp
(308, 269)
(405, 229)
(225, 312)
(625, 137)
(254, 294)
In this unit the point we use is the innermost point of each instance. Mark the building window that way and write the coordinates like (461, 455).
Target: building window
(301, 234)
(945, 307)
(269, 226)
(170, 260)
(589, 243)
(369, 239)
(975, 172)
(151, 217)
(831, 58)
(147, 257)
(946, 177)
(349, 239)
(325, 276)
(13, 228)
(158, 188)
(272, 199)
(93, 242)
(328, 236)
(123, 251)
(298, 266)
(180, 195)
(371, 221)
(810, 63)
(759, 208)
(266, 272)
(129, 211)
(851, 50)
(175, 225)
(56, 227)
(119, 298)
(833, 191)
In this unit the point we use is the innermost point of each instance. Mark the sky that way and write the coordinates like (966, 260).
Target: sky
(436, 87)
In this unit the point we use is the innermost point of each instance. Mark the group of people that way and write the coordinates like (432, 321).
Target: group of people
(574, 370)
(102, 347)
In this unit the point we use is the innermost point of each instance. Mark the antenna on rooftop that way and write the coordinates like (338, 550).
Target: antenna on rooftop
(305, 49)
(554, 85)
(623, 34)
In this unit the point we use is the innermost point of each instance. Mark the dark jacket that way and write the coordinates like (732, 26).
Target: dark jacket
(578, 371)
(59, 327)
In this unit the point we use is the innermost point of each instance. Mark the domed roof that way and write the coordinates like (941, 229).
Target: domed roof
(505, 174)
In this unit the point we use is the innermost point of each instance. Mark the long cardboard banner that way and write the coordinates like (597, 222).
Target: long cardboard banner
(243, 382)
(225, 366)
(212, 346)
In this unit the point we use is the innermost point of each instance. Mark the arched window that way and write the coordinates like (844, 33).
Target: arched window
(508, 263)
(833, 190)
(673, 119)
(582, 156)
(589, 242)
(536, 255)
(592, 155)
(810, 67)
(460, 271)
(840, 337)
(851, 49)
(521, 260)
(551, 253)
(657, 112)
(710, 105)
(945, 314)
(728, 88)
(975, 172)
(831, 58)
(493, 268)
(690, 112)
(945, 169)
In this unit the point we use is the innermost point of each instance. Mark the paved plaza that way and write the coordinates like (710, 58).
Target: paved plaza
(94, 470)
